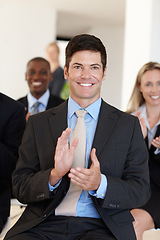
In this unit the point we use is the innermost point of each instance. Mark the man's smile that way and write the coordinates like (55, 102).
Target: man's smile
(86, 84)
(36, 84)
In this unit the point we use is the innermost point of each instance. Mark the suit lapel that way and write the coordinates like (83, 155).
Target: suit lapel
(105, 125)
(49, 103)
(152, 148)
(58, 120)
(158, 131)
(25, 102)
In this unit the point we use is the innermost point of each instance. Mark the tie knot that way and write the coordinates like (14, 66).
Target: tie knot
(36, 104)
(35, 108)
(81, 113)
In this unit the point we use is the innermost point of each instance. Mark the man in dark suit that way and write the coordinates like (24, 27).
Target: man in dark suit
(115, 177)
(12, 124)
(38, 76)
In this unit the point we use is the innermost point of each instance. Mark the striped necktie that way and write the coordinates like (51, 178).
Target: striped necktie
(35, 108)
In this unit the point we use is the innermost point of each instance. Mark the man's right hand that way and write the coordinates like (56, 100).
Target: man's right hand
(64, 157)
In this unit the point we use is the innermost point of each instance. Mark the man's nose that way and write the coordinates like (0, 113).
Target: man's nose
(86, 73)
(36, 75)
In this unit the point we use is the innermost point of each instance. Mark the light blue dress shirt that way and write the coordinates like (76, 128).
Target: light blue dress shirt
(85, 207)
(43, 100)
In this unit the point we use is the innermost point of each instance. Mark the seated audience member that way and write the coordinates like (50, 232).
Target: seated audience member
(12, 125)
(38, 76)
(58, 86)
(145, 104)
(81, 187)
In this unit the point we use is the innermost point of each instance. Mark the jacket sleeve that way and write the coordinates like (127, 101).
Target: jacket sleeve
(31, 176)
(12, 137)
(128, 187)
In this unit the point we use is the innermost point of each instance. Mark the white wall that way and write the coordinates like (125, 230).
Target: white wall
(155, 31)
(26, 27)
(113, 39)
(141, 41)
(62, 46)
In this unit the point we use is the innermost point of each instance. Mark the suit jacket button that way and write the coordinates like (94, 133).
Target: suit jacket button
(45, 215)
(111, 205)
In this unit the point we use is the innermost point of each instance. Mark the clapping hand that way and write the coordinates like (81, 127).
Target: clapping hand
(142, 123)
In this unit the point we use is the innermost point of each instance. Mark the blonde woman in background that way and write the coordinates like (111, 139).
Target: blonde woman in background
(145, 104)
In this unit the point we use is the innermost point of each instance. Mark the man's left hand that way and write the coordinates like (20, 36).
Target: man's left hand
(87, 179)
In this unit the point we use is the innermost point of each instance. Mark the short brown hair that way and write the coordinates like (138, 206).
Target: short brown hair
(39, 59)
(85, 42)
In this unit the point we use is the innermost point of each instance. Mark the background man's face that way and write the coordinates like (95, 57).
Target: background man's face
(38, 76)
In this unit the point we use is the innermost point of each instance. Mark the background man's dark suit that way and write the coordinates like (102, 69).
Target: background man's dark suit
(12, 124)
(122, 154)
(53, 101)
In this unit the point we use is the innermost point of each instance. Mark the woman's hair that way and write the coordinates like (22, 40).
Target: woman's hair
(136, 99)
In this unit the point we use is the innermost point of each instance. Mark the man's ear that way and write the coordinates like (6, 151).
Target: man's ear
(51, 77)
(65, 72)
(26, 76)
(104, 73)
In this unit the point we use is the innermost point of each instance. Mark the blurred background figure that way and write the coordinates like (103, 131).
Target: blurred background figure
(145, 104)
(12, 125)
(58, 86)
(38, 76)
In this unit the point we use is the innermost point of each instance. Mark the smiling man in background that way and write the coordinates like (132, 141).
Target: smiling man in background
(38, 76)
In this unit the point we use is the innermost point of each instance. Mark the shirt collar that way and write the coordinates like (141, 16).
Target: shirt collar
(92, 109)
(43, 99)
(143, 114)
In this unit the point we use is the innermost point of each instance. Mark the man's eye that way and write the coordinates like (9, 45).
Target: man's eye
(43, 72)
(31, 73)
(95, 67)
(77, 67)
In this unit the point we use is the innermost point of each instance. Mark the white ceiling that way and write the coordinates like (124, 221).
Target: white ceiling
(74, 17)
(78, 16)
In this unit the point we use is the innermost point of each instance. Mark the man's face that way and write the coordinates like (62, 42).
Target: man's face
(85, 75)
(38, 76)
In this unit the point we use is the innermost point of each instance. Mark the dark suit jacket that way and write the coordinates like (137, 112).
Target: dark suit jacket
(53, 101)
(57, 83)
(12, 124)
(123, 157)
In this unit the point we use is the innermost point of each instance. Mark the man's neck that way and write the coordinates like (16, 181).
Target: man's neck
(83, 102)
(37, 96)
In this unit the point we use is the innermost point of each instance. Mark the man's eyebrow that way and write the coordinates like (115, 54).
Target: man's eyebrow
(77, 64)
(96, 64)
(93, 64)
